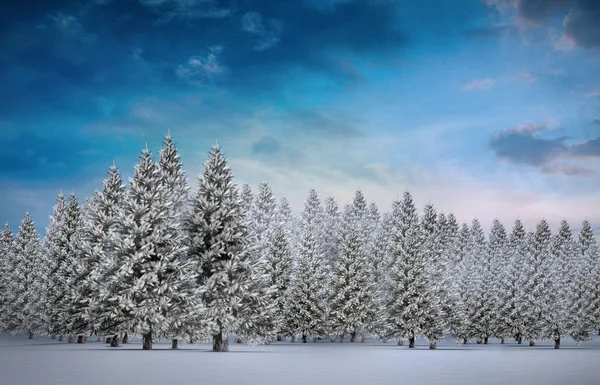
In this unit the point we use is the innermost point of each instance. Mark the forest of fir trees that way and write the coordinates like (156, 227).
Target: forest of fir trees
(155, 259)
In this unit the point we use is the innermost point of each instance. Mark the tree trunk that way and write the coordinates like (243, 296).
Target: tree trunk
(279, 338)
(114, 341)
(519, 338)
(363, 339)
(239, 340)
(465, 341)
(411, 342)
(485, 340)
(303, 339)
(125, 338)
(99, 339)
(85, 338)
(293, 339)
(400, 342)
(220, 342)
(71, 339)
(353, 336)
(108, 340)
(384, 340)
(174, 343)
(60, 338)
(30, 335)
(557, 343)
(315, 339)
(479, 340)
(147, 341)
(432, 345)
(531, 342)
(53, 337)
(341, 338)
(80, 339)
(502, 340)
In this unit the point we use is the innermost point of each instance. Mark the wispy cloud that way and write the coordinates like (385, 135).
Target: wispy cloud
(269, 34)
(525, 77)
(479, 84)
(592, 95)
(201, 70)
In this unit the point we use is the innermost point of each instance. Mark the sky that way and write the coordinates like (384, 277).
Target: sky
(483, 108)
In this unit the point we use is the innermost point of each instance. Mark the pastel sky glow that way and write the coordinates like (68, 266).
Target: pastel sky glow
(484, 108)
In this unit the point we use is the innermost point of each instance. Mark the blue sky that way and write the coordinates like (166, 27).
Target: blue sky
(484, 108)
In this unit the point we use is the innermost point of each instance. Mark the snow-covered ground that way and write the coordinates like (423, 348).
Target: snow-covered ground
(43, 361)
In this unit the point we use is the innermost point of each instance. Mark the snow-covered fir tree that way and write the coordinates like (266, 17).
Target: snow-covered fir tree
(175, 187)
(536, 285)
(479, 301)
(407, 280)
(25, 292)
(447, 228)
(353, 302)
(263, 217)
(560, 294)
(247, 197)
(6, 244)
(331, 234)
(305, 314)
(148, 276)
(513, 278)
(96, 249)
(497, 249)
(279, 270)
(222, 261)
(582, 303)
(460, 286)
(63, 274)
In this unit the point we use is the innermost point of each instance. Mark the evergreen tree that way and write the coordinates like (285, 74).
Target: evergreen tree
(479, 300)
(305, 314)
(96, 249)
(247, 200)
(175, 187)
(513, 279)
(536, 288)
(460, 287)
(279, 271)
(497, 248)
(581, 320)
(221, 259)
(148, 276)
(447, 228)
(6, 244)
(560, 267)
(331, 234)
(407, 282)
(353, 303)
(431, 254)
(63, 273)
(25, 290)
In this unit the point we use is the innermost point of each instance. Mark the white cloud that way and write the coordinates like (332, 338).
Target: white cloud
(525, 77)
(200, 70)
(479, 84)
(269, 35)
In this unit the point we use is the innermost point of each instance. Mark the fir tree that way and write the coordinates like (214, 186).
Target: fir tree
(479, 300)
(407, 282)
(148, 276)
(63, 273)
(560, 267)
(513, 280)
(221, 258)
(581, 320)
(331, 234)
(279, 271)
(460, 287)
(353, 303)
(305, 314)
(24, 310)
(247, 200)
(536, 288)
(175, 187)
(495, 268)
(6, 244)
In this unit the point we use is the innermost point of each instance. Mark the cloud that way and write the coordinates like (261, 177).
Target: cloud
(523, 145)
(201, 70)
(525, 77)
(186, 10)
(479, 84)
(592, 95)
(581, 21)
(269, 37)
(266, 145)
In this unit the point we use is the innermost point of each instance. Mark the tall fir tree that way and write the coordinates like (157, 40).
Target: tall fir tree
(536, 288)
(279, 270)
(148, 277)
(26, 294)
(513, 279)
(581, 320)
(221, 259)
(6, 246)
(331, 234)
(306, 312)
(175, 187)
(407, 281)
(560, 269)
(495, 268)
(63, 274)
(460, 286)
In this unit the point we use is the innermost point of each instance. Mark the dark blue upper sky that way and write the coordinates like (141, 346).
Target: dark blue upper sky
(485, 108)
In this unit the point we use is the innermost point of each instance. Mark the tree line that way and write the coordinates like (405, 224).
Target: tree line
(157, 260)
